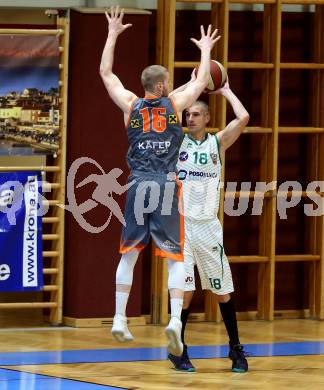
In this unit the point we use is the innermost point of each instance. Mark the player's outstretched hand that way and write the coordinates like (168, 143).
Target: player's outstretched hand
(207, 40)
(115, 20)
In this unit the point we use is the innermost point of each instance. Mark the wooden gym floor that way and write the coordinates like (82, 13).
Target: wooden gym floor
(286, 354)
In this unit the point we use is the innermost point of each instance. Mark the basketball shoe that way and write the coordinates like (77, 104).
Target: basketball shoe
(120, 330)
(173, 333)
(238, 357)
(182, 363)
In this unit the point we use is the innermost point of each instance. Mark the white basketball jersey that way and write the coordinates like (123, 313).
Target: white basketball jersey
(199, 169)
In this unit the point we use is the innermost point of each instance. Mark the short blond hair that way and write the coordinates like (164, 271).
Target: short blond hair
(151, 75)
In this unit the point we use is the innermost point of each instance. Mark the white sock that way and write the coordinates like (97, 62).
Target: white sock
(176, 307)
(121, 302)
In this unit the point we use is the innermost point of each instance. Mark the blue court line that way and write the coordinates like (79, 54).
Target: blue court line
(146, 354)
(17, 380)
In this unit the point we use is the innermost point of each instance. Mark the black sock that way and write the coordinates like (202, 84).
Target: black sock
(229, 317)
(184, 319)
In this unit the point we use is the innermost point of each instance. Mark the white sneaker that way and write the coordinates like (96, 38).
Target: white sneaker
(173, 333)
(128, 336)
(120, 330)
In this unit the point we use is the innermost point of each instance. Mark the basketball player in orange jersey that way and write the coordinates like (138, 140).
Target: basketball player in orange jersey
(155, 135)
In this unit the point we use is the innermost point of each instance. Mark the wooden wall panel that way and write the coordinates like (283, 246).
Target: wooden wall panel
(96, 130)
(241, 234)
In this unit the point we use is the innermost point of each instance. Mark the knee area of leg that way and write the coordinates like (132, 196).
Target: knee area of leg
(125, 269)
(223, 298)
(176, 267)
(176, 275)
(130, 258)
(187, 298)
(185, 305)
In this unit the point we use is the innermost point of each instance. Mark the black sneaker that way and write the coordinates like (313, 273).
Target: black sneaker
(182, 363)
(238, 357)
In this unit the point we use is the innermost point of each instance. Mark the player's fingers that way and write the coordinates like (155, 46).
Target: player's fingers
(121, 14)
(194, 41)
(214, 34)
(112, 11)
(107, 16)
(217, 39)
(209, 30)
(202, 31)
(117, 11)
(127, 26)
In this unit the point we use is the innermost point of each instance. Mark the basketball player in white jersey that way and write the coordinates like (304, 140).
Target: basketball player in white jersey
(199, 168)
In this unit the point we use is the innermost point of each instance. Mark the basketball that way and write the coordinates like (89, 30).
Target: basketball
(217, 77)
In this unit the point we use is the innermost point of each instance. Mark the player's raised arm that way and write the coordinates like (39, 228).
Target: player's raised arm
(121, 96)
(186, 97)
(234, 129)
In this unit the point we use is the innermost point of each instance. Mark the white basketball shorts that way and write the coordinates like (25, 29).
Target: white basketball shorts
(204, 248)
